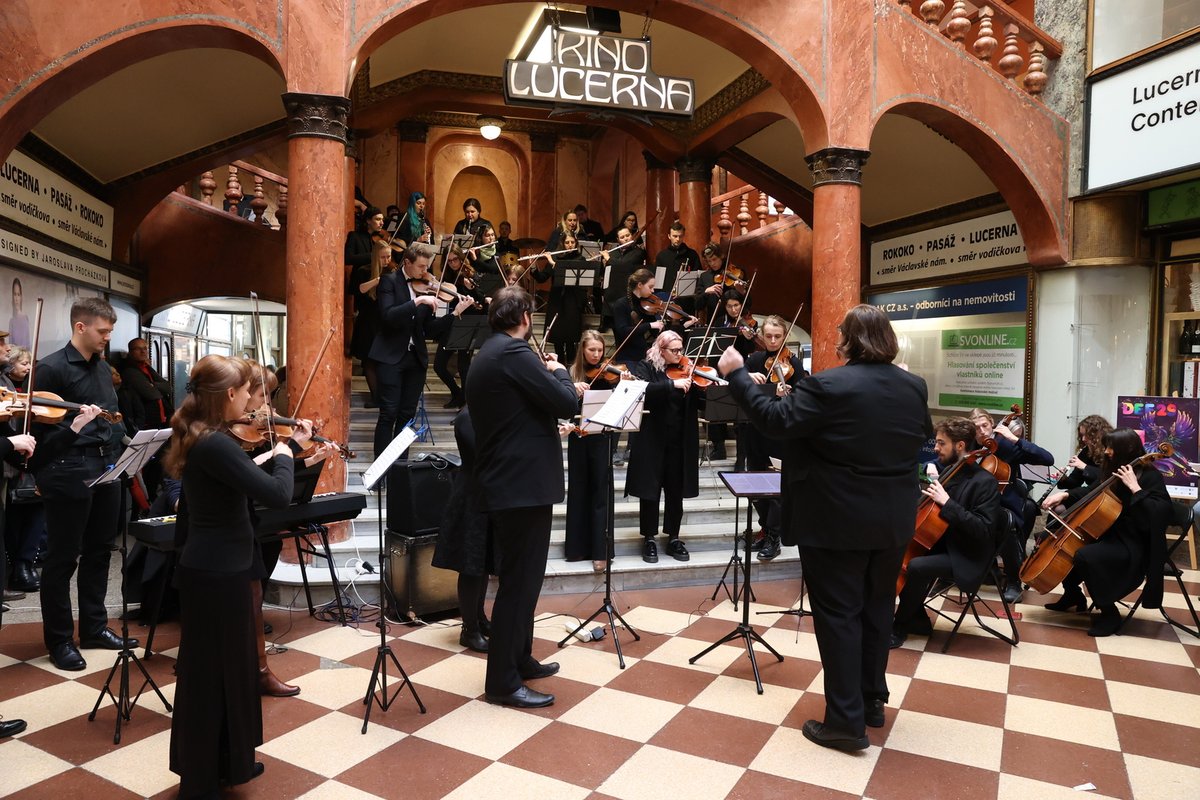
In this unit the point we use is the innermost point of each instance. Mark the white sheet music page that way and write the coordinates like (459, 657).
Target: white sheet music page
(616, 411)
(377, 470)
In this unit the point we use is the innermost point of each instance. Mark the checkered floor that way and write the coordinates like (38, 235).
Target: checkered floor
(1060, 711)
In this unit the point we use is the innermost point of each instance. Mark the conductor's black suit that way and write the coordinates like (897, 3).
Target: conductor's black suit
(515, 405)
(852, 436)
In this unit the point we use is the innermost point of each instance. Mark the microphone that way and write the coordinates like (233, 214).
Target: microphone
(584, 635)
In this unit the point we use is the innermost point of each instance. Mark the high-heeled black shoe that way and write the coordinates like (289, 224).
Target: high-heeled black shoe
(1072, 599)
(1107, 623)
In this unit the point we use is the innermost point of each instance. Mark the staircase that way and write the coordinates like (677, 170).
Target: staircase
(708, 520)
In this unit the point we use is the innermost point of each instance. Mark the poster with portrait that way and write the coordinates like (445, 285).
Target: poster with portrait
(1170, 420)
(19, 293)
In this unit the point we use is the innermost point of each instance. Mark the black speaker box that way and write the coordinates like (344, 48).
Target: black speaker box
(604, 20)
(417, 494)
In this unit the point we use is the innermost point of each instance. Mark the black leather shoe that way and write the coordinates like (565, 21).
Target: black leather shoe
(521, 698)
(897, 640)
(677, 550)
(540, 671)
(107, 640)
(837, 740)
(760, 539)
(66, 656)
(1107, 623)
(485, 625)
(1072, 599)
(650, 551)
(13, 595)
(473, 640)
(874, 713)
(771, 548)
(25, 579)
(11, 727)
(1012, 593)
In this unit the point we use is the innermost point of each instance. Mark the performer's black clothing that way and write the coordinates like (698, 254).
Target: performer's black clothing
(675, 260)
(402, 354)
(621, 265)
(515, 405)
(707, 303)
(625, 319)
(589, 493)
(591, 230)
(441, 359)
(853, 434)
(357, 250)
(1085, 476)
(475, 229)
(664, 454)
(217, 721)
(759, 448)
(81, 523)
(366, 317)
(1015, 498)
(1134, 548)
(564, 306)
(974, 521)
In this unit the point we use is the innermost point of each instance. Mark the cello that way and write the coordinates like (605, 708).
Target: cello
(1082, 523)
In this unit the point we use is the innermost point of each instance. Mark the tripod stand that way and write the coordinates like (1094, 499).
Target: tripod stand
(129, 464)
(606, 606)
(373, 478)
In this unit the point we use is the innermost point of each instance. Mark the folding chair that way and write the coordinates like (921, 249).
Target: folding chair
(970, 599)
(1182, 517)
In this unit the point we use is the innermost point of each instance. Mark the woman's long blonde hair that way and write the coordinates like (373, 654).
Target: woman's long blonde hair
(579, 366)
(377, 263)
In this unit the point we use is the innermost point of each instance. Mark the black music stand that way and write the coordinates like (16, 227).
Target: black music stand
(713, 345)
(468, 332)
(373, 479)
(719, 406)
(576, 274)
(144, 445)
(748, 485)
(598, 418)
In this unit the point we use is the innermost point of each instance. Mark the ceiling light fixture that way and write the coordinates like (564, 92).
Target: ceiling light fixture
(490, 127)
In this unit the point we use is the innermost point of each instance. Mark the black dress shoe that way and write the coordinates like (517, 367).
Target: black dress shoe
(521, 698)
(1107, 623)
(1012, 593)
(897, 640)
(473, 640)
(771, 548)
(650, 551)
(107, 640)
(11, 727)
(874, 713)
(13, 595)
(66, 656)
(1072, 598)
(25, 579)
(539, 671)
(829, 737)
(677, 550)
(485, 625)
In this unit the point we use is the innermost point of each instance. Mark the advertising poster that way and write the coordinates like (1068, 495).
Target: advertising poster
(19, 292)
(1165, 419)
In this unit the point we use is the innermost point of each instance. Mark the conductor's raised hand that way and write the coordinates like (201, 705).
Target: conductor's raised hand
(731, 359)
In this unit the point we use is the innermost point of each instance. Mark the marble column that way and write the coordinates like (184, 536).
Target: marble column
(317, 166)
(543, 186)
(695, 201)
(660, 201)
(837, 245)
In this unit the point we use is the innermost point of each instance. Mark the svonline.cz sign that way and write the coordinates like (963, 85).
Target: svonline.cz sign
(595, 70)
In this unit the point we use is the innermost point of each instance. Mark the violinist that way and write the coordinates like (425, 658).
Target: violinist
(632, 324)
(675, 258)
(472, 223)
(1014, 450)
(406, 320)
(565, 304)
(729, 315)
(365, 282)
(710, 286)
(217, 721)
(1133, 549)
(970, 505)
(457, 266)
(357, 250)
(777, 383)
(589, 492)
(664, 454)
(621, 264)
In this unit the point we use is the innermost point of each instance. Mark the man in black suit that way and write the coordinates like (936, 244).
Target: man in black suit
(406, 320)
(970, 505)
(515, 400)
(675, 258)
(852, 435)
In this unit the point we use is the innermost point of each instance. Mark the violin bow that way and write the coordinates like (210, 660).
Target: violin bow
(262, 367)
(37, 335)
(546, 335)
(311, 375)
(616, 350)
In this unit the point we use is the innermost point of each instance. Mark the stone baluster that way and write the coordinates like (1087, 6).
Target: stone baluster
(780, 207)
(959, 24)
(743, 216)
(1036, 77)
(762, 209)
(724, 225)
(208, 185)
(1011, 62)
(931, 11)
(259, 203)
(985, 42)
(281, 208)
(233, 190)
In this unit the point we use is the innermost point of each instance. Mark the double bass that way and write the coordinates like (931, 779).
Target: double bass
(1082, 523)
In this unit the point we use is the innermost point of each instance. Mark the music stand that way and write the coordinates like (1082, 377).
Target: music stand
(575, 273)
(144, 445)
(608, 413)
(748, 485)
(589, 250)
(686, 283)
(468, 332)
(373, 479)
(713, 345)
(720, 406)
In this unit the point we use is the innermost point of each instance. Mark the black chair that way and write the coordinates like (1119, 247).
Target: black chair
(970, 600)
(1181, 517)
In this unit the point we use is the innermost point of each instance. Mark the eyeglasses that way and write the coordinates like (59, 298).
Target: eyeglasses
(672, 349)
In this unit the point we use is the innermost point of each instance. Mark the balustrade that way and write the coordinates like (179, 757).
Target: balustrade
(270, 191)
(750, 203)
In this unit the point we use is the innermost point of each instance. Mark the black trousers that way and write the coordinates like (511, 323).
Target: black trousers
(400, 388)
(522, 541)
(81, 524)
(922, 571)
(852, 592)
(441, 367)
(672, 494)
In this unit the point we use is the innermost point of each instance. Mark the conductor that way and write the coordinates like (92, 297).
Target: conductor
(851, 436)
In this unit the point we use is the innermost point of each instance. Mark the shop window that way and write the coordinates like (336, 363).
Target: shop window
(1121, 28)
(1179, 374)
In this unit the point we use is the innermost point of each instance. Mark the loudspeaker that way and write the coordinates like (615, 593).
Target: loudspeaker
(604, 20)
(417, 494)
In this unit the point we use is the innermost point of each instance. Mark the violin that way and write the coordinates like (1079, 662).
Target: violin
(655, 306)
(607, 373)
(1083, 523)
(252, 432)
(732, 276)
(779, 366)
(703, 377)
(48, 408)
(390, 240)
(443, 291)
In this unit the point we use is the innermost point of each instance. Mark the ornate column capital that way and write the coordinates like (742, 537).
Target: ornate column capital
(695, 171)
(412, 131)
(837, 165)
(322, 116)
(653, 161)
(543, 142)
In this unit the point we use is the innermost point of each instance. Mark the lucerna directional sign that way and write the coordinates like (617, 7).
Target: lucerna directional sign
(598, 70)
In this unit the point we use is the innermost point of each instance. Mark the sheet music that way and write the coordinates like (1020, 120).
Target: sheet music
(393, 451)
(686, 283)
(621, 408)
(142, 446)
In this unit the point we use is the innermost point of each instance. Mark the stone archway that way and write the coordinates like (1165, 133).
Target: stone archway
(503, 159)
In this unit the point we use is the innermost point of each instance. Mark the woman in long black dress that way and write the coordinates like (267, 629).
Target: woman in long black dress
(1132, 550)
(664, 454)
(218, 713)
(565, 304)
(621, 264)
(633, 327)
(464, 542)
(589, 465)
(366, 321)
